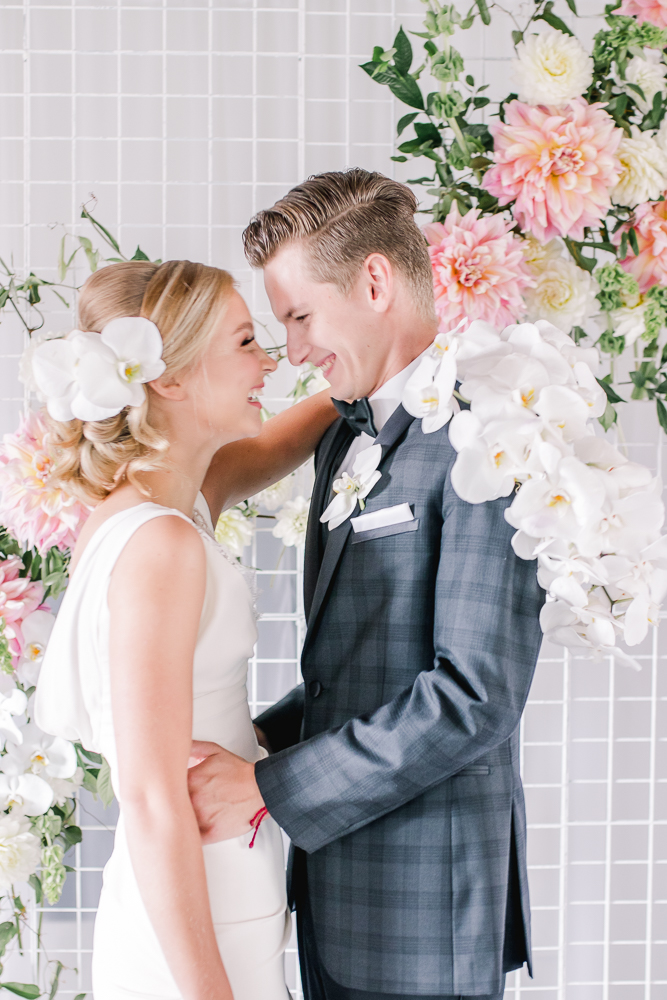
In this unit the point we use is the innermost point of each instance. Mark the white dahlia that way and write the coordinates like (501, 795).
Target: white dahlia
(564, 294)
(647, 73)
(643, 170)
(551, 68)
(292, 522)
(20, 851)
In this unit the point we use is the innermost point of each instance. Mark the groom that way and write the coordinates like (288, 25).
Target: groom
(395, 766)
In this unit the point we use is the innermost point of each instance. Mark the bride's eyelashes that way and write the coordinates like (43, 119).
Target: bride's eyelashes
(248, 340)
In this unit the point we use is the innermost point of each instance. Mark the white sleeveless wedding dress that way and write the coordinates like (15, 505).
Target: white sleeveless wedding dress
(246, 887)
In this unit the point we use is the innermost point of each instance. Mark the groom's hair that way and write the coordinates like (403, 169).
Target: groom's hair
(342, 217)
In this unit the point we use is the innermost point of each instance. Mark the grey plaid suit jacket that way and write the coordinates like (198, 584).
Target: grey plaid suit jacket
(406, 794)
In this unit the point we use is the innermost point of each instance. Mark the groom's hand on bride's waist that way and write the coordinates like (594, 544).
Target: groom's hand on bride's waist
(224, 793)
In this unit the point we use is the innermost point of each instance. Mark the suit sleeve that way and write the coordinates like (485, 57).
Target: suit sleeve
(486, 641)
(282, 722)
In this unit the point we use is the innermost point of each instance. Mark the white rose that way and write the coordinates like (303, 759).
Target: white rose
(538, 255)
(564, 294)
(233, 531)
(292, 522)
(648, 73)
(20, 851)
(644, 170)
(551, 68)
(629, 322)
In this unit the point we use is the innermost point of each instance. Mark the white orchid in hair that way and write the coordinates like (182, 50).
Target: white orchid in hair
(92, 376)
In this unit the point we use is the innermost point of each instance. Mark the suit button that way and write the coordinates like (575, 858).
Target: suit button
(315, 689)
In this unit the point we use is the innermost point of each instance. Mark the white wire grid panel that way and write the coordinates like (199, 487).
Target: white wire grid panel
(182, 119)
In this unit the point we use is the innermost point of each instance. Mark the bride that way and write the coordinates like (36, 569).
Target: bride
(151, 643)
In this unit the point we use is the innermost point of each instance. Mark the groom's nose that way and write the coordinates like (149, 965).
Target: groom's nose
(298, 347)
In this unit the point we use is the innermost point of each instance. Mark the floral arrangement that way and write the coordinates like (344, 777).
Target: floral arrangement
(555, 209)
(591, 518)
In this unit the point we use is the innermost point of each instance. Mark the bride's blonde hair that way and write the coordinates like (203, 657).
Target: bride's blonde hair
(184, 300)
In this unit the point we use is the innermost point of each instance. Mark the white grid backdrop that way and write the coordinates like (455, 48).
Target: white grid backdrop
(182, 119)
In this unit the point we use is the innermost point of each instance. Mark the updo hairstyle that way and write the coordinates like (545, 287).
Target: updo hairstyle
(185, 301)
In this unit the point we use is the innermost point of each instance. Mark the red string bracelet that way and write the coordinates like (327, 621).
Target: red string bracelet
(256, 822)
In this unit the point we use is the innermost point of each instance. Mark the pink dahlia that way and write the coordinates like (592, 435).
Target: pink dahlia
(653, 11)
(19, 597)
(559, 165)
(479, 270)
(36, 512)
(649, 267)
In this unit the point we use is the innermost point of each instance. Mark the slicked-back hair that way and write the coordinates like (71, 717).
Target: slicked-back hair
(342, 217)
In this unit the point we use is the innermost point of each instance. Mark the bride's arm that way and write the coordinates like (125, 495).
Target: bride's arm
(155, 600)
(243, 468)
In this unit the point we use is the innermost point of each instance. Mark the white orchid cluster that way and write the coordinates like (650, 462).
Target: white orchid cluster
(93, 376)
(590, 517)
(39, 776)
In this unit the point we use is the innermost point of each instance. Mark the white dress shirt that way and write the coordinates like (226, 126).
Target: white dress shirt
(383, 403)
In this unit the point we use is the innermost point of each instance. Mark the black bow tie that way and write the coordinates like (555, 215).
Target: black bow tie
(359, 416)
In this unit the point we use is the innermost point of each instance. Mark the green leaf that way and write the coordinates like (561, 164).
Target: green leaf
(623, 249)
(662, 414)
(483, 11)
(403, 55)
(54, 981)
(36, 885)
(632, 236)
(95, 757)
(636, 90)
(104, 786)
(408, 91)
(90, 782)
(139, 255)
(85, 214)
(573, 7)
(405, 121)
(27, 990)
(611, 393)
(71, 835)
(7, 932)
(81, 996)
(517, 36)
(609, 417)
(470, 80)
(554, 21)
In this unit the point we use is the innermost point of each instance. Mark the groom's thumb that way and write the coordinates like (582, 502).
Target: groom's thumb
(200, 750)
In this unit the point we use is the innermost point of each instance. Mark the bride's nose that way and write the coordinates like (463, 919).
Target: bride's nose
(269, 364)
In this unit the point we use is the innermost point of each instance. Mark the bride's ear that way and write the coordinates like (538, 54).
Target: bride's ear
(168, 390)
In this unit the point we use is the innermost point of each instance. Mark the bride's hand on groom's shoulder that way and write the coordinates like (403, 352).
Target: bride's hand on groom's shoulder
(223, 790)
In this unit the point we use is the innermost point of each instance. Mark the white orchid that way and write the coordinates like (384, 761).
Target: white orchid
(12, 704)
(292, 521)
(27, 793)
(36, 629)
(92, 376)
(39, 753)
(428, 393)
(353, 490)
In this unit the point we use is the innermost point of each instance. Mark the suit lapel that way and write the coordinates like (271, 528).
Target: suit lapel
(397, 424)
(340, 437)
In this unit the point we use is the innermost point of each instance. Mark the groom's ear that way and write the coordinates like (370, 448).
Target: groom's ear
(379, 281)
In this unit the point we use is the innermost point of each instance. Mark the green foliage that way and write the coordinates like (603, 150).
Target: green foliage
(616, 287)
(27, 990)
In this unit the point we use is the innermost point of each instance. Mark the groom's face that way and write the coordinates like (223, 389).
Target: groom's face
(340, 333)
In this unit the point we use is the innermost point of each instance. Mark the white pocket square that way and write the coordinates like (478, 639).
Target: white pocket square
(382, 518)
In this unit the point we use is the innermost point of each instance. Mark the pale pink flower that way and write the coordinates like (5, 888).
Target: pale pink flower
(19, 597)
(35, 511)
(479, 270)
(649, 267)
(559, 165)
(653, 11)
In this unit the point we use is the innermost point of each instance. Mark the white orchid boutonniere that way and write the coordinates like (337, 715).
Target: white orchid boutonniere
(354, 489)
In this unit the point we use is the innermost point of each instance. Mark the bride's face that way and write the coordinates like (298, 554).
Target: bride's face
(224, 386)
